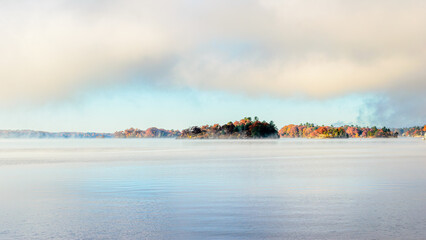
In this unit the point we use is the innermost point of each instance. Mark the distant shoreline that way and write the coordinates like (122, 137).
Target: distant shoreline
(244, 129)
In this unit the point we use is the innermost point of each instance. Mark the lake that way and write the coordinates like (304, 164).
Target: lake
(212, 189)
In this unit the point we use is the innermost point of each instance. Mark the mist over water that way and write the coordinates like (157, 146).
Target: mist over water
(212, 189)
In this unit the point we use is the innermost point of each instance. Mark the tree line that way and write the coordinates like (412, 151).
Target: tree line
(244, 128)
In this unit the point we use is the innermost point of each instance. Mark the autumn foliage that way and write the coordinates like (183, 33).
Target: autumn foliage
(417, 131)
(148, 133)
(309, 130)
(245, 128)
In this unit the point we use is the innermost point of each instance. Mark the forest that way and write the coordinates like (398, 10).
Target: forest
(245, 128)
(416, 131)
(148, 133)
(309, 130)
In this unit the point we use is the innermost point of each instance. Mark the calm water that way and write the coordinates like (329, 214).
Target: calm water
(183, 189)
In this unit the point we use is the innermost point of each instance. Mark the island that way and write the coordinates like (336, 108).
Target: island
(243, 129)
(310, 130)
(152, 132)
(246, 128)
(416, 131)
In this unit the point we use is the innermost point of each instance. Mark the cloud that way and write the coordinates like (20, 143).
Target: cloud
(317, 49)
(51, 48)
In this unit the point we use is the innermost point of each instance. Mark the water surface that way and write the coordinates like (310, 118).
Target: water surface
(212, 189)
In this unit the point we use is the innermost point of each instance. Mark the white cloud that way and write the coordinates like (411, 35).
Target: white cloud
(268, 47)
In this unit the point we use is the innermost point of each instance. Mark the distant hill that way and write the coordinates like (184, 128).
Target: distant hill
(42, 134)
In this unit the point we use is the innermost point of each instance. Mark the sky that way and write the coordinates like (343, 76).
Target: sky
(109, 65)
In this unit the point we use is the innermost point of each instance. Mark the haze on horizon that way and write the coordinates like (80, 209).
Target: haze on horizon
(109, 65)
